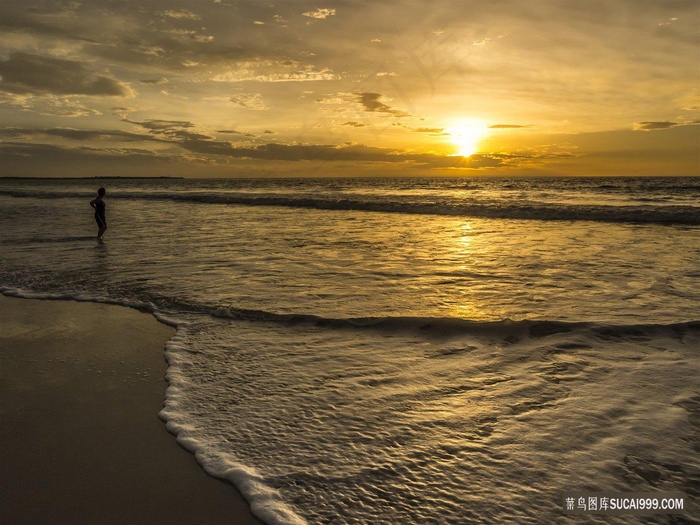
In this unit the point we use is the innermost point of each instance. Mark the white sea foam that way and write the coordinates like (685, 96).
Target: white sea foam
(392, 422)
(91, 298)
(265, 502)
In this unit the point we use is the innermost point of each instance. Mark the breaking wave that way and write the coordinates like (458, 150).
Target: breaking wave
(646, 213)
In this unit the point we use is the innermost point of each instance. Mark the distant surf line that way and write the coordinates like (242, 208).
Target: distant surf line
(665, 215)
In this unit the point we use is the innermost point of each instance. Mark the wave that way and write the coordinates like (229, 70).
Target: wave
(41, 240)
(506, 329)
(646, 214)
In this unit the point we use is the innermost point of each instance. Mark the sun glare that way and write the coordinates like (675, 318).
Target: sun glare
(465, 135)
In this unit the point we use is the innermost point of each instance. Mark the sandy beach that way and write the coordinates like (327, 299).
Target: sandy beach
(81, 385)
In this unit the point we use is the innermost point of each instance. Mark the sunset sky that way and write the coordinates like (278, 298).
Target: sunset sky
(215, 88)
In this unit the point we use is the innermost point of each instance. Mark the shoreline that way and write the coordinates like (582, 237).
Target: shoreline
(81, 386)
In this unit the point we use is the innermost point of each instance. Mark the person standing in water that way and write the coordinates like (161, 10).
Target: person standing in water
(100, 215)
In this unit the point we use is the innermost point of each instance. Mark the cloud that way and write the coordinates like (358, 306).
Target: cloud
(234, 132)
(647, 126)
(173, 130)
(76, 134)
(354, 124)
(508, 126)
(320, 13)
(370, 101)
(182, 14)
(184, 135)
(27, 73)
(162, 125)
(273, 71)
(28, 159)
(63, 106)
(121, 111)
(189, 34)
(203, 148)
(432, 131)
(51, 153)
(154, 81)
(253, 101)
(348, 153)
(146, 51)
(651, 126)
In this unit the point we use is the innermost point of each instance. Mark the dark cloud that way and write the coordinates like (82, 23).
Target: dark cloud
(201, 148)
(354, 124)
(41, 19)
(234, 132)
(370, 101)
(77, 134)
(162, 125)
(331, 153)
(142, 35)
(32, 159)
(647, 126)
(154, 81)
(183, 134)
(280, 151)
(48, 153)
(651, 126)
(26, 73)
(30, 151)
(173, 130)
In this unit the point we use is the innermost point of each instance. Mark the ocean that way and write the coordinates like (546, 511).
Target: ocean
(401, 351)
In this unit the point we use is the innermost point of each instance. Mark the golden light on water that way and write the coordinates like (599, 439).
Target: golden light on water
(467, 235)
(466, 135)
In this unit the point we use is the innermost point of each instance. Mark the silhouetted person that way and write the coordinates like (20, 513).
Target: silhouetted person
(100, 216)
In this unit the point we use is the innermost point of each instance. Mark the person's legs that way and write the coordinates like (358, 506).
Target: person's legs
(101, 224)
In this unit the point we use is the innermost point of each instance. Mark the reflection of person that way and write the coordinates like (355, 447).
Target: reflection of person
(100, 216)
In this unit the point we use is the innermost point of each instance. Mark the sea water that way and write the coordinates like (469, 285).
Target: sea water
(413, 351)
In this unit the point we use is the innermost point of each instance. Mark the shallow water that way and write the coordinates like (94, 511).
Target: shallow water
(401, 351)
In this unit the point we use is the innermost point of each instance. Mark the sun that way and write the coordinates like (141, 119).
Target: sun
(465, 135)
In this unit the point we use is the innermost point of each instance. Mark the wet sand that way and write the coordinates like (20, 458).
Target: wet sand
(81, 385)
